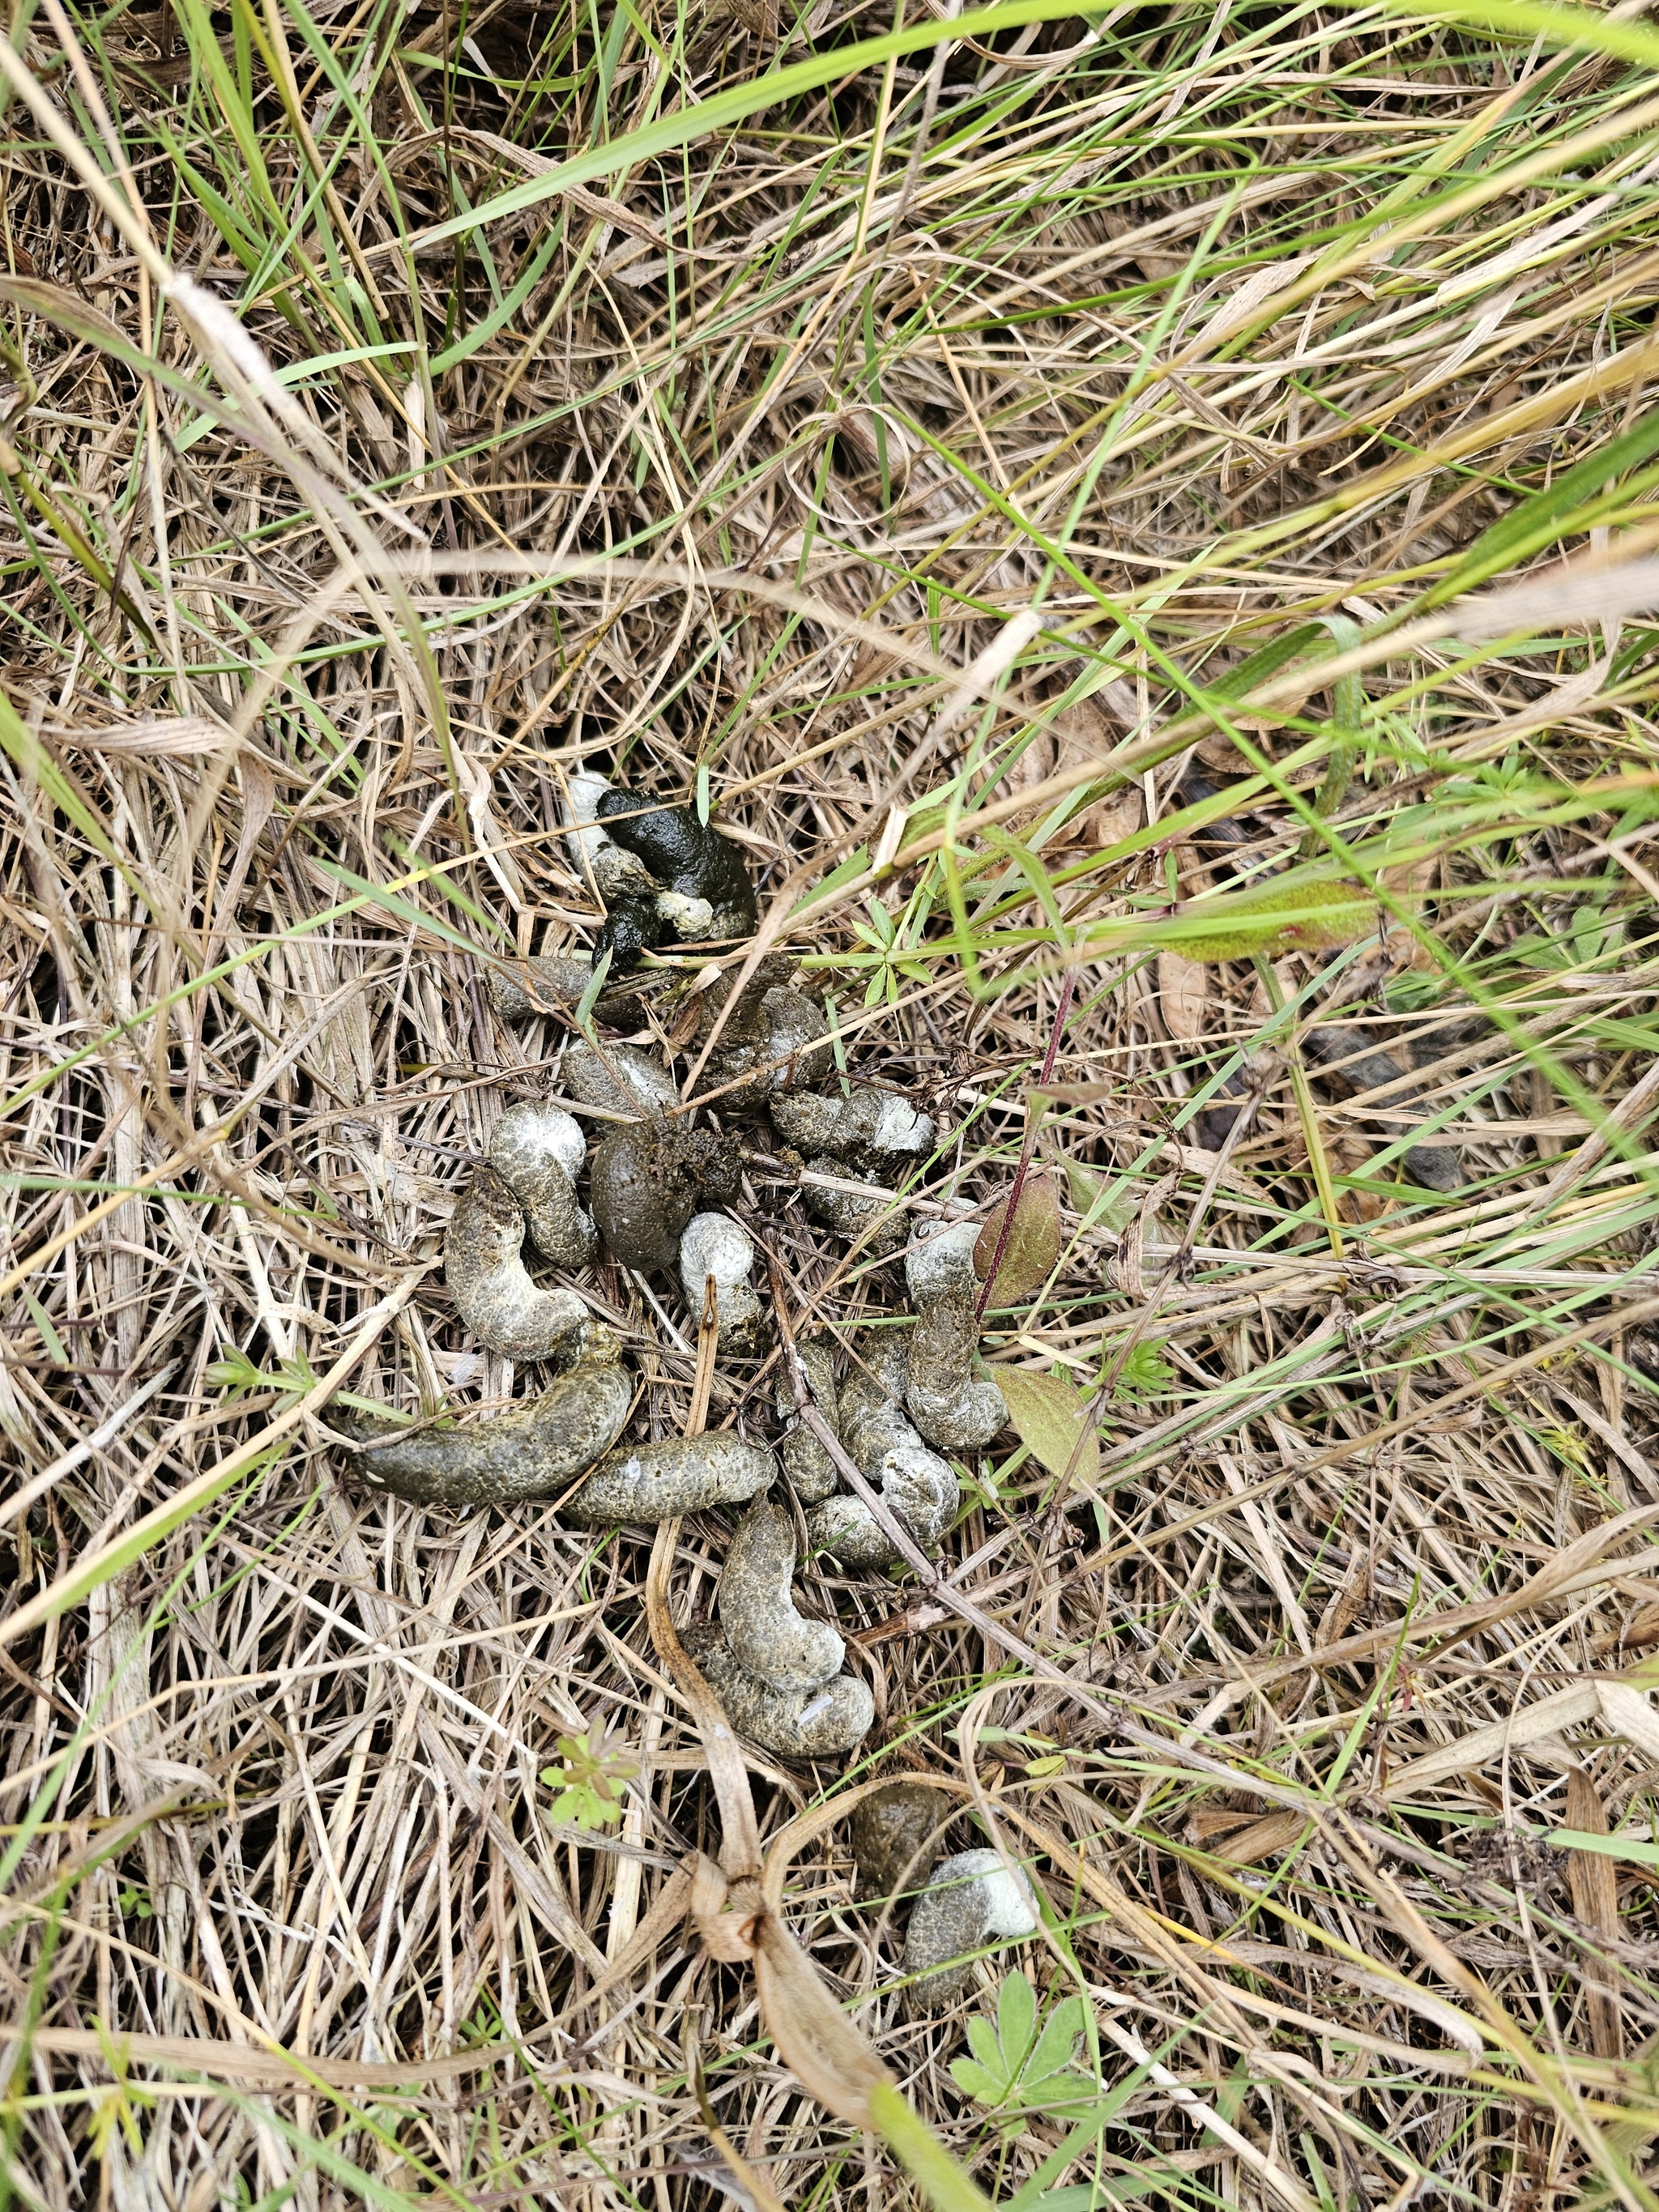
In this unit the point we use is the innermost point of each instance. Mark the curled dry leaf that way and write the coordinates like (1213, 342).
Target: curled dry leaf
(1049, 1419)
(1184, 995)
(1030, 1248)
(169, 738)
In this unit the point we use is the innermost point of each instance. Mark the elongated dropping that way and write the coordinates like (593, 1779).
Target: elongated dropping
(532, 1451)
(951, 1407)
(487, 1280)
(821, 1723)
(538, 1151)
(658, 1481)
(768, 1635)
(968, 1899)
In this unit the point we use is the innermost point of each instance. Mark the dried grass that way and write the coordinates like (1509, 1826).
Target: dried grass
(1192, 329)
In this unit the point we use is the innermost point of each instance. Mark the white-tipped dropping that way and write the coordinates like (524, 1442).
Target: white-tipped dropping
(686, 917)
(535, 1137)
(714, 1245)
(900, 1128)
(1009, 1907)
(710, 1244)
(944, 1256)
(586, 839)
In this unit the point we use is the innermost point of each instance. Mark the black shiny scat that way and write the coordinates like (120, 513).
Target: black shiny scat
(631, 926)
(684, 855)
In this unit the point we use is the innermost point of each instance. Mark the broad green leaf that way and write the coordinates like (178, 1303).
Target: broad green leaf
(1274, 920)
(1031, 1247)
(1054, 2046)
(1105, 1201)
(1048, 1418)
(1015, 2070)
(1017, 2018)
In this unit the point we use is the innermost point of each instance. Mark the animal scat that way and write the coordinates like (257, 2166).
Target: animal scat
(640, 912)
(895, 1836)
(624, 1079)
(546, 982)
(850, 1214)
(810, 1470)
(873, 1392)
(951, 1408)
(785, 1044)
(1434, 1167)
(916, 1484)
(868, 1125)
(488, 1281)
(746, 1020)
(538, 1151)
(714, 1245)
(968, 1899)
(768, 1635)
(631, 926)
(648, 1179)
(658, 1481)
(821, 1723)
(684, 854)
(532, 1451)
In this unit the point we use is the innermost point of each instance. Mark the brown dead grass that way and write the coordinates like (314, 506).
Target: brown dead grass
(781, 444)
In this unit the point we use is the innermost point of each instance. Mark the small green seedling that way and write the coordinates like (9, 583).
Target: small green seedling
(1145, 1374)
(1018, 2069)
(588, 1784)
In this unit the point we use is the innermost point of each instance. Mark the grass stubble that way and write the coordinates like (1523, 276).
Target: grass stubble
(1137, 364)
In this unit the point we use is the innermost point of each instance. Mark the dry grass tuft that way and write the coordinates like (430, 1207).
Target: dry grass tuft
(1227, 340)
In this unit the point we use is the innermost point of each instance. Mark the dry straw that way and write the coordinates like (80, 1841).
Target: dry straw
(1143, 527)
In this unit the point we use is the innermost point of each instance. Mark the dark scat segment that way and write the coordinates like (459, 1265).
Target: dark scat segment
(649, 1179)
(766, 1635)
(1217, 841)
(631, 926)
(684, 855)
(1366, 1066)
(820, 1723)
(788, 1045)
(746, 1020)
(810, 1470)
(534, 1451)
(896, 1832)
(658, 1481)
(1213, 1124)
(553, 983)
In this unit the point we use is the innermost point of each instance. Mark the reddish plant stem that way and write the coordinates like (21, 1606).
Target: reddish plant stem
(1028, 1148)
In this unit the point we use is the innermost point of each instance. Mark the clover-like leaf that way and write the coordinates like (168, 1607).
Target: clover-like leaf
(1015, 2068)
